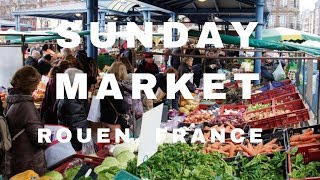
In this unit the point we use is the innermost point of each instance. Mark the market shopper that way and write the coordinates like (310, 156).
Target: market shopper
(33, 59)
(47, 50)
(44, 65)
(175, 60)
(166, 56)
(197, 67)
(126, 62)
(114, 112)
(161, 85)
(185, 67)
(22, 117)
(48, 113)
(148, 65)
(72, 113)
(36, 48)
(68, 55)
(269, 66)
(212, 65)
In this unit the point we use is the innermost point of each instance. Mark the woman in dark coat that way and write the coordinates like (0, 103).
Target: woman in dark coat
(185, 67)
(72, 113)
(48, 115)
(26, 153)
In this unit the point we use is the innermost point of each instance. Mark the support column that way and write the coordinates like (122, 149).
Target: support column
(226, 28)
(17, 21)
(102, 21)
(174, 17)
(259, 29)
(92, 16)
(146, 18)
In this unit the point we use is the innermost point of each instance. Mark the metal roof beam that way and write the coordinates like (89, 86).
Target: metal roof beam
(221, 11)
(153, 5)
(216, 5)
(185, 2)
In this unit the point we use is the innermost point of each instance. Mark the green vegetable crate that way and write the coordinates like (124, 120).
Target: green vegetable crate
(305, 164)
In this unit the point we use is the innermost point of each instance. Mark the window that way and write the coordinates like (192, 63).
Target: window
(295, 3)
(283, 20)
(271, 20)
(284, 3)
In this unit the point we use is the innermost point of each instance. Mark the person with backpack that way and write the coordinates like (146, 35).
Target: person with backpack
(23, 122)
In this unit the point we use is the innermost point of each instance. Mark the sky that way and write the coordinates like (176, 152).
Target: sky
(307, 4)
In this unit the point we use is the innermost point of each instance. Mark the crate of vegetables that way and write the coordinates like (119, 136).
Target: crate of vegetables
(199, 116)
(286, 98)
(255, 98)
(305, 163)
(77, 161)
(271, 143)
(302, 136)
(228, 149)
(283, 90)
(292, 112)
(260, 105)
(207, 126)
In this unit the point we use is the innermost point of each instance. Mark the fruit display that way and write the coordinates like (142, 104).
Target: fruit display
(267, 148)
(307, 137)
(229, 149)
(39, 93)
(187, 106)
(233, 119)
(200, 116)
(263, 115)
(258, 106)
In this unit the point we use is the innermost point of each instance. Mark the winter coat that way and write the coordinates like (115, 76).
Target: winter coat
(209, 62)
(143, 69)
(72, 113)
(48, 114)
(26, 153)
(183, 68)
(30, 61)
(197, 70)
(74, 62)
(268, 68)
(175, 60)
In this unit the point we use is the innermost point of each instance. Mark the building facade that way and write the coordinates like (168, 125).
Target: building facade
(9, 6)
(308, 21)
(284, 13)
(317, 18)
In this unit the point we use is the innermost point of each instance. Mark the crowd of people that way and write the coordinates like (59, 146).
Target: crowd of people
(26, 153)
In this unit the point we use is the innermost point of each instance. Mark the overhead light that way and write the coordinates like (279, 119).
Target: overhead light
(78, 14)
(202, 0)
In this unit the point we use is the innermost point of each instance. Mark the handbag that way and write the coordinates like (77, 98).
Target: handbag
(122, 119)
(160, 95)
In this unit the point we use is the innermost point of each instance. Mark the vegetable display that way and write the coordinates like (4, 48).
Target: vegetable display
(54, 175)
(200, 116)
(263, 115)
(301, 170)
(306, 138)
(267, 148)
(258, 106)
(227, 149)
(263, 167)
(183, 161)
(227, 126)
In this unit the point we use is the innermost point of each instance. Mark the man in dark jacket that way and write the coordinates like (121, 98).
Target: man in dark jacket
(175, 60)
(185, 67)
(148, 65)
(72, 113)
(44, 65)
(33, 59)
(268, 67)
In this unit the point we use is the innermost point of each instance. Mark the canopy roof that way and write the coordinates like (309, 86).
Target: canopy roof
(286, 34)
(6, 23)
(226, 10)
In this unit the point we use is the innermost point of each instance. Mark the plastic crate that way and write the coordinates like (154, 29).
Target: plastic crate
(227, 135)
(281, 137)
(255, 98)
(197, 126)
(310, 153)
(94, 161)
(286, 98)
(291, 132)
(298, 113)
(283, 90)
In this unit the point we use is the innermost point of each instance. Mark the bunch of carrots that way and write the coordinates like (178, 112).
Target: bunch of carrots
(227, 126)
(229, 149)
(253, 150)
(306, 138)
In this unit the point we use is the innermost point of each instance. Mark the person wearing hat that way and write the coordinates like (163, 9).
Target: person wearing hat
(148, 65)
(269, 66)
